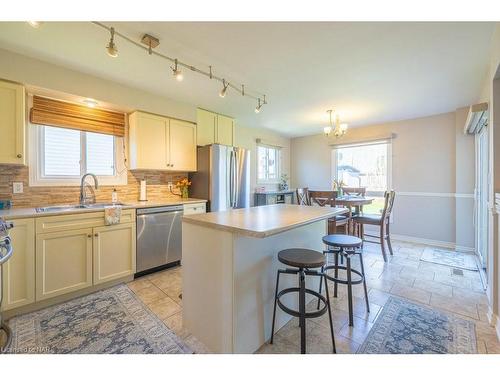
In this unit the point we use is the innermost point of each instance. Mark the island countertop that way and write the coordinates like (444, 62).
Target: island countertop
(263, 221)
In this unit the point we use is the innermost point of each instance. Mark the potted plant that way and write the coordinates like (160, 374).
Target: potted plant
(183, 186)
(337, 186)
(283, 182)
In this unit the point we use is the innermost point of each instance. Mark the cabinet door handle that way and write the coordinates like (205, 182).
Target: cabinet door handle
(89, 236)
(19, 156)
(96, 235)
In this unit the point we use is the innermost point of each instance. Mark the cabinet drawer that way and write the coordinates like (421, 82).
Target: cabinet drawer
(78, 221)
(195, 208)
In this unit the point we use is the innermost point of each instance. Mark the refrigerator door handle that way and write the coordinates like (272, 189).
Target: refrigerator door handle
(236, 179)
(231, 179)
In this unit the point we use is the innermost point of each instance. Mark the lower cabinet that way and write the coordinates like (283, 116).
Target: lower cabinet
(114, 252)
(63, 262)
(18, 276)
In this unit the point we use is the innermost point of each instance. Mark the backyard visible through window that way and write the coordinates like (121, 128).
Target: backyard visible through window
(268, 159)
(365, 166)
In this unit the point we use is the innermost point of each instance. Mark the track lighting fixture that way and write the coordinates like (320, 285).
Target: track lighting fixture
(259, 106)
(111, 47)
(148, 43)
(225, 85)
(35, 24)
(177, 72)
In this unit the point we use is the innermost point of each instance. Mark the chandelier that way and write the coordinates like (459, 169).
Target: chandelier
(337, 129)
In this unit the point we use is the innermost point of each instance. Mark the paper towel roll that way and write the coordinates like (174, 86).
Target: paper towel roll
(142, 194)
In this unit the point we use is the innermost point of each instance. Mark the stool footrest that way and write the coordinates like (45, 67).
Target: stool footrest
(339, 280)
(312, 314)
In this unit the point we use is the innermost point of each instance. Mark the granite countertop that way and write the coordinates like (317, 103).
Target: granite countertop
(264, 221)
(27, 212)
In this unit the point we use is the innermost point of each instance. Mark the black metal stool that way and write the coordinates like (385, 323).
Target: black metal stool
(346, 246)
(303, 260)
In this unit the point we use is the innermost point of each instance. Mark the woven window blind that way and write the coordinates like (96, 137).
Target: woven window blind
(61, 114)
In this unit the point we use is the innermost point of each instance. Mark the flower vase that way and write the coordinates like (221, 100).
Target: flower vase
(185, 192)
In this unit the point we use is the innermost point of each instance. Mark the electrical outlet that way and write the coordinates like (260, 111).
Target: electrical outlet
(17, 187)
(169, 184)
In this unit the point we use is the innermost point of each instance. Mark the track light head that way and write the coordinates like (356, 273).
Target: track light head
(259, 106)
(111, 47)
(222, 93)
(177, 72)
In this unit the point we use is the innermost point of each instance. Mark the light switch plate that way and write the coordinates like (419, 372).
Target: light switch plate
(17, 187)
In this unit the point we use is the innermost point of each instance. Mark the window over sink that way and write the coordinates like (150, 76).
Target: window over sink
(60, 156)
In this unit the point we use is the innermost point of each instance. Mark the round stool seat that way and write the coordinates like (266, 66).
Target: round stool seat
(301, 258)
(342, 240)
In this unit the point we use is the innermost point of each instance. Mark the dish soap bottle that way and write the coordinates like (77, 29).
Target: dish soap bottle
(114, 196)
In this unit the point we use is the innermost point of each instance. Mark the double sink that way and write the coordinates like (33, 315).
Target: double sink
(77, 207)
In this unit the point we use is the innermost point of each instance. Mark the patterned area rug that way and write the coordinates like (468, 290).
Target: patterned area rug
(108, 321)
(407, 328)
(450, 258)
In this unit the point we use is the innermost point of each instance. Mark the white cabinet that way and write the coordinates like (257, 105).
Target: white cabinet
(195, 208)
(12, 123)
(114, 252)
(18, 277)
(63, 262)
(214, 128)
(182, 146)
(161, 143)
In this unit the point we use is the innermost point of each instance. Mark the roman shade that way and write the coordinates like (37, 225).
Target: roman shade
(61, 114)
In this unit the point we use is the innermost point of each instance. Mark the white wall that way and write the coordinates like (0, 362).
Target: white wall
(431, 161)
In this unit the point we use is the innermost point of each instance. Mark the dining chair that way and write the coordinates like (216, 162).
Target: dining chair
(361, 191)
(303, 197)
(382, 220)
(327, 197)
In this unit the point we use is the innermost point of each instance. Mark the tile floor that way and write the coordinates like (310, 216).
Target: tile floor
(404, 275)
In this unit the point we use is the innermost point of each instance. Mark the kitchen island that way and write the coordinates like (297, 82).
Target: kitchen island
(229, 270)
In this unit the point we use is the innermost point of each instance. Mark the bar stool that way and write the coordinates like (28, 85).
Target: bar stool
(302, 260)
(346, 246)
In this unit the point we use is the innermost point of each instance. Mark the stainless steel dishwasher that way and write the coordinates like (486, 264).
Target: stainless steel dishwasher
(159, 238)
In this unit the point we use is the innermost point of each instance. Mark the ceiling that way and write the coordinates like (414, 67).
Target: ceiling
(370, 72)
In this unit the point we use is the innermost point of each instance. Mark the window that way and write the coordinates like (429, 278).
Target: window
(60, 156)
(268, 164)
(365, 165)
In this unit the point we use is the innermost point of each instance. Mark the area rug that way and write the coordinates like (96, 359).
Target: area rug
(113, 320)
(450, 258)
(404, 327)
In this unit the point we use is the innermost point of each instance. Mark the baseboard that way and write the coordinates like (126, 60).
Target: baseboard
(494, 321)
(428, 242)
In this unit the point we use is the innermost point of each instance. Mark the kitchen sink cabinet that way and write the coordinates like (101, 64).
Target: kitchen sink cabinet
(113, 252)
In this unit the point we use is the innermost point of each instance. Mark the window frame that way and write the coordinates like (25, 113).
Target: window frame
(36, 162)
(278, 166)
(387, 142)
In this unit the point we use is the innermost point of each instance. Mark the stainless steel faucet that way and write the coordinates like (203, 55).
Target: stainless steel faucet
(83, 196)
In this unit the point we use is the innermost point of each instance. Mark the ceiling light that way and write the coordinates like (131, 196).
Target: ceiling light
(177, 72)
(111, 47)
(222, 93)
(259, 106)
(91, 103)
(35, 24)
(338, 129)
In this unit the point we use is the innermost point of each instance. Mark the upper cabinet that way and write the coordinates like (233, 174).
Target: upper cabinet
(214, 128)
(12, 123)
(161, 143)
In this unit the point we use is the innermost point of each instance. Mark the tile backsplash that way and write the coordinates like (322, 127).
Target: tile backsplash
(35, 196)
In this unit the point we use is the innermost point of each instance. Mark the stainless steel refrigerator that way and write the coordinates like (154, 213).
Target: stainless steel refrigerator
(223, 177)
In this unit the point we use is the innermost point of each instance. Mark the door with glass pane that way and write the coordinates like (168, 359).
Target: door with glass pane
(481, 197)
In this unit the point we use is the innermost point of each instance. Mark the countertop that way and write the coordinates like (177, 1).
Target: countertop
(264, 221)
(27, 212)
